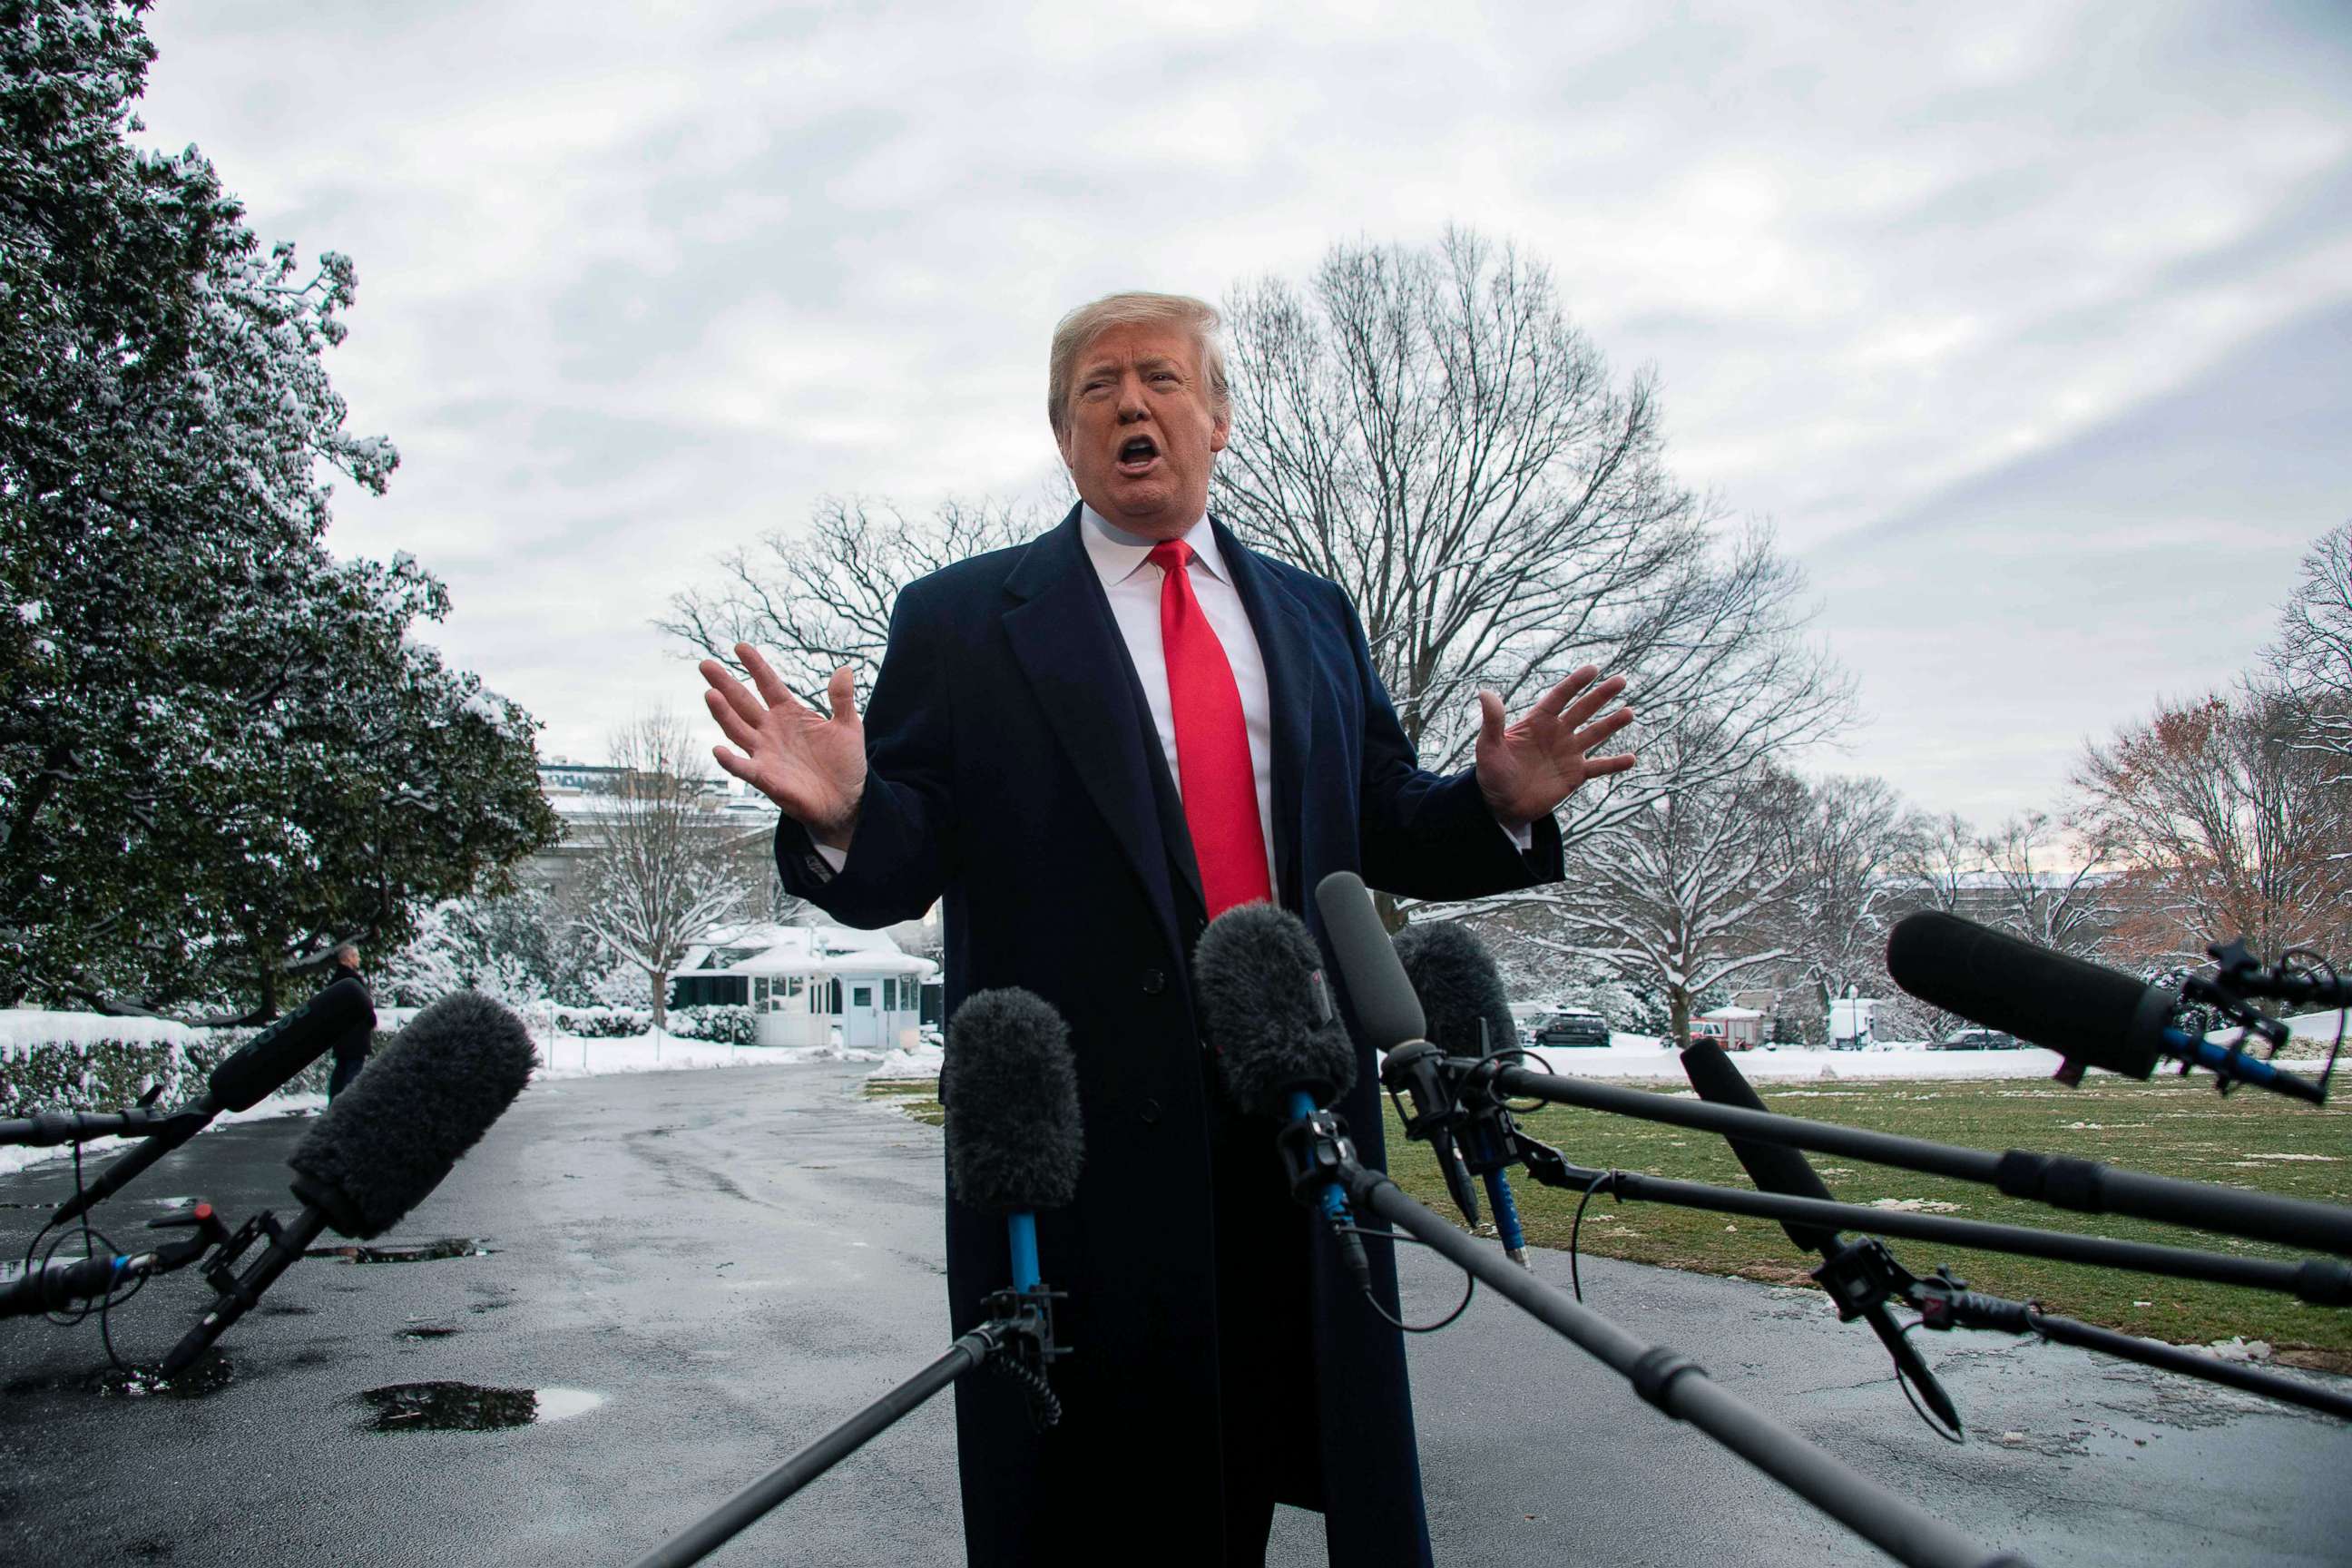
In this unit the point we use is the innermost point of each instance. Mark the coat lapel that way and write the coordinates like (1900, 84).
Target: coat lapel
(1283, 641)
(1066, 644)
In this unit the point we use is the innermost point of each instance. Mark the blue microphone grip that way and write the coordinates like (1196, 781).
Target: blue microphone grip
(1334, 1201)
(1022, 1227)
(2243, 1068)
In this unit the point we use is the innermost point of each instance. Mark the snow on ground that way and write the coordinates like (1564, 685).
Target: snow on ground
(569, 1056)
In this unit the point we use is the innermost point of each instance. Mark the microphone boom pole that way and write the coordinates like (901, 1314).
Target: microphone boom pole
(2060, 1181)
(1683, 1390)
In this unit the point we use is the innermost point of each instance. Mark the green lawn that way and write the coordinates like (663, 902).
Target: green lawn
(2169, 1127)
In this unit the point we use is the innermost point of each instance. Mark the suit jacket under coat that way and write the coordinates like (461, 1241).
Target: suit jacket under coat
(1013, 771)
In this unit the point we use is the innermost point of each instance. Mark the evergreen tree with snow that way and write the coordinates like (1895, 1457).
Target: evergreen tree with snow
(221, 756)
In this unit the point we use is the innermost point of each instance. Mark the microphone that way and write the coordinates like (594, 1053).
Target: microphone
(385, 1142)
(2090, 1015)
(1391, 1016)
(1010, 1088)
(1468, 1014)
(242, 1079)
(1778, 1168)
(1279, 1045)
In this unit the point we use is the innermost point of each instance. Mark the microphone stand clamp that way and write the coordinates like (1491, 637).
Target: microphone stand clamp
(1316, 1148)
(1019, 1329)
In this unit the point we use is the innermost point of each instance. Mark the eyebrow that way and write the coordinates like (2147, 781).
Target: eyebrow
(1148, 362)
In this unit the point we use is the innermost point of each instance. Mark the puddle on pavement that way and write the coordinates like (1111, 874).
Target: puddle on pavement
(417, 1333)
(210, 1375)
(469, 1408)
(412, 1252)
(28, 1205)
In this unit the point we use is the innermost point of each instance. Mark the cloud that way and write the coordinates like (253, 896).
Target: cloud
(640, 283)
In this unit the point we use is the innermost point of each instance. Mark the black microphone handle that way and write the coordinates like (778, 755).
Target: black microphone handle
(59, 1285)
(1684, 1391)
(175, 1130)
(1777, 1168)
(287, 1250)
(50, 1128)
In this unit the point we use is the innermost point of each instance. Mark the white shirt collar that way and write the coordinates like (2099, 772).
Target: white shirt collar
(1117, 555)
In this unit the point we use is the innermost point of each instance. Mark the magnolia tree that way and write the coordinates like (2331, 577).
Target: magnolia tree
(221, 756)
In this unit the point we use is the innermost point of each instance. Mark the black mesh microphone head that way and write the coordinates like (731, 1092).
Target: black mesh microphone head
(1265, 1010)
(1460, 991)
(270, 1061)
(388, 1140)
(1010, 1086)
(2083, 1011)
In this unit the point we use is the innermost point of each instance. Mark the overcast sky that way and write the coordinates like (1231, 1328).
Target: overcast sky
(2029, 326)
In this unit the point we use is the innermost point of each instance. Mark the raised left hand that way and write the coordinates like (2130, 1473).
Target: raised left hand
(1530, 767)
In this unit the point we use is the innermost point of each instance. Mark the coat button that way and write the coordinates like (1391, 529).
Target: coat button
(1154, 982)
(1149, 1113)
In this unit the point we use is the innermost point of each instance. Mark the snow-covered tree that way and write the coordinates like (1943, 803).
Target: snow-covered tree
(220, 756)
(2311, 659)
(1846, 840)
(1686, 895)
(663, 874)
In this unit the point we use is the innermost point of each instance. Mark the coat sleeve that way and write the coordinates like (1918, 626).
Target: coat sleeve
(903, 850)
(1430, 836)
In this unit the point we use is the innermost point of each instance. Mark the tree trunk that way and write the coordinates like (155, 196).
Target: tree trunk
(1678, 1006)
(660, 981)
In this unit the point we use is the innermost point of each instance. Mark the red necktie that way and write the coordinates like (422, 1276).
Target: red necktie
(1212, 756)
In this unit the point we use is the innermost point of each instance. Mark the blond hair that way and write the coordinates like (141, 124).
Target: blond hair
(1087, 323)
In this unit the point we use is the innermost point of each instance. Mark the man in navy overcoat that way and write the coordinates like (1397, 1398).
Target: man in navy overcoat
(1018, 759)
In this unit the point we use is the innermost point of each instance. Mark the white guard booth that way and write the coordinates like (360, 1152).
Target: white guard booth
(804, 981)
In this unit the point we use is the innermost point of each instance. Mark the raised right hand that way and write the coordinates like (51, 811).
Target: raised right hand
(811, 767)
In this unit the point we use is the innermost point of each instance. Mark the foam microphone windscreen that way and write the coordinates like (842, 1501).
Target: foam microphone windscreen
(1267, 1013)
(1462, 995)
(387, 1140)
(2083, 1011)
(270, 1061)
(1010, 1088)
(1377, 986)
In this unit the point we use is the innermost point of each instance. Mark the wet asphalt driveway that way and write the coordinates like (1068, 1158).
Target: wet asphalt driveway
(706, 1270)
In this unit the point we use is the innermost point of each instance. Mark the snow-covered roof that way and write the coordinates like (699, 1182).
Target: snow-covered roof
(805, 950)
(1732, 1015)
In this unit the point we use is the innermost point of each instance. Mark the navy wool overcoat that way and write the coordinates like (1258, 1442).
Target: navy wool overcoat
(1013, 772)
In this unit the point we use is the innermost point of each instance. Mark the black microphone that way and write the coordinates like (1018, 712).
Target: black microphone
(1280, 1047)
(1391, 1014)
(1469, 1016)
(2088, 1014)
(387, 1140)
(1010, 1088)
(242, 1079)
(1778, 1168)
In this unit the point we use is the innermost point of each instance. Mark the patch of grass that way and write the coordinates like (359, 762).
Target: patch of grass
(915, 1097)
(2168, 1127)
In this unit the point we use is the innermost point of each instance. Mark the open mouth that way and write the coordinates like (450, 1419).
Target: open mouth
(1136, 454)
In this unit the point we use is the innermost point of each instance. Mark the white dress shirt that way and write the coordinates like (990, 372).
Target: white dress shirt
(1133, 585)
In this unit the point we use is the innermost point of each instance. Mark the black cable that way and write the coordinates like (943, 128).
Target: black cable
(1948, 1434)
(1044, 1406)
(1576, 1230)
(1446, 1321)
(1519, 1054)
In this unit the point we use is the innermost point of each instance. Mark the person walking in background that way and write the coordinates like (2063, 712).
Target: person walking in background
(352, 1051)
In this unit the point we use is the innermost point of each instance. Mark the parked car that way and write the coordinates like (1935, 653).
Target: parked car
(1976, 1039)
(1570, 1029)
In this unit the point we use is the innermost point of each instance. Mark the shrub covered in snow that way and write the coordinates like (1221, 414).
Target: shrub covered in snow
(720, 1024)
(81, 1061)
(601, 1023)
